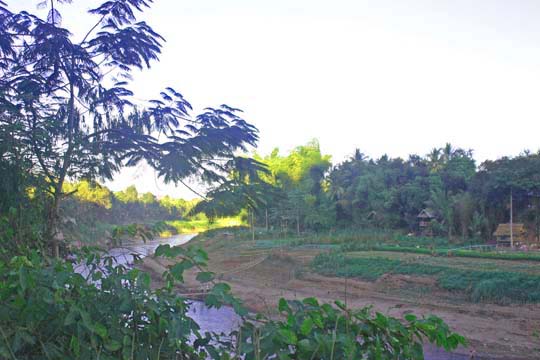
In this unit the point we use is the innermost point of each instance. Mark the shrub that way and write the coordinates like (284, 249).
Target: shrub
(51, 311)
(310, 330)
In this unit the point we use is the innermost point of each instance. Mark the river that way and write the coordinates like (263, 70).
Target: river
(225, 319)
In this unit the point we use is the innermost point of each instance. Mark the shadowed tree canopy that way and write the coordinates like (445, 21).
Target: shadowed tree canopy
(245, 189)
(68, 106)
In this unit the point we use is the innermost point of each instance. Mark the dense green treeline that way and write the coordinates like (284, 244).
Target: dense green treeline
(128, 205)
(87, 215)
(467, 200)
(93, 210)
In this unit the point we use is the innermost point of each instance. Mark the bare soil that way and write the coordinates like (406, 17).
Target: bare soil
(261, 277)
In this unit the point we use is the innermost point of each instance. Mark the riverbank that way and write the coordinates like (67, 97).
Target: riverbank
(260, 277)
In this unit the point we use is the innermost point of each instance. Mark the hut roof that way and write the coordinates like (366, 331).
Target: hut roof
(426, 214)
(371, 215)
(504, 230)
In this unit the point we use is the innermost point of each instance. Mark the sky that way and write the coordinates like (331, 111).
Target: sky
(392, 77)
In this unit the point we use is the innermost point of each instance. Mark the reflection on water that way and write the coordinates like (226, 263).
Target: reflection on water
(215, 320)
(124, 254)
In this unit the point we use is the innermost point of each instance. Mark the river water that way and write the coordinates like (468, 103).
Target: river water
(225, 319)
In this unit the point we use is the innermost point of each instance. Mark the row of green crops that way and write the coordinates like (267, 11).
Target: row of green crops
(373, 237)
(481, 286)
(349, 236)
(499, 255)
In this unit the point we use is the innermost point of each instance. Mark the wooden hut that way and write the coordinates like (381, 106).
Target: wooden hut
(424, 222)
(503, 234)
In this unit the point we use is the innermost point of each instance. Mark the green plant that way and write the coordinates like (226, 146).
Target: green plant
(67, 104)
(309, 330)
(51, 311)
(488, 286)
(501, 255)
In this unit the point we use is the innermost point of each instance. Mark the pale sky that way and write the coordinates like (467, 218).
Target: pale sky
(385, 76)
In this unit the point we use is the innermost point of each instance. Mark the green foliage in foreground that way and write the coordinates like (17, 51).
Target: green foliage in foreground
(50, 311)
(490, 286)
(310, 330)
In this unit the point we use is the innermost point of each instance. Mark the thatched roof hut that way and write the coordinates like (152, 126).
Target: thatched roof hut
(426, 214)
(424, 222)
(502, 234)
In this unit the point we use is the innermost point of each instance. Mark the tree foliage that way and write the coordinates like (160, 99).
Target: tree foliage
(389, 193)
(67, 104)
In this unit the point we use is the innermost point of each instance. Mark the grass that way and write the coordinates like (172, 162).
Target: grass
(499, 255)
(202, 224)
(351, 237)
(464, 263)
(372, 237)
(369, 240)
(498, 286)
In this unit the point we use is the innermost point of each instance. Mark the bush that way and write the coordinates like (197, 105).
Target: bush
(51, 311)
(321, 331)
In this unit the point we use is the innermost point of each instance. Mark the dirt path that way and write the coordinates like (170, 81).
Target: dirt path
(261, 278)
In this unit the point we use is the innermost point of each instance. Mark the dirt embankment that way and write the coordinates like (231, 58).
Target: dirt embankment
(260, 278)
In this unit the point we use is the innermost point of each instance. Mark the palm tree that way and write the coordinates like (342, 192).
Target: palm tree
(447, 152)
(443, 205)
(434, 159)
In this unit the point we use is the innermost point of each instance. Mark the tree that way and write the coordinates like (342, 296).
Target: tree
(298, 178)
(148, 199)
(94, 193)
(464, 213)
(129, 195)
(68, 102)
(442, 204)
(245, 189)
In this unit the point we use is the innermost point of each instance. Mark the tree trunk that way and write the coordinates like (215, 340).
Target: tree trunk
(298, 224)
(266, 218)
(252, 226)
(51, 231)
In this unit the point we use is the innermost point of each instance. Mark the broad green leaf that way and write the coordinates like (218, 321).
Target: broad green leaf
(113, 345)
(311, 301)
(205, 277)
(100, 330)
(410, 317)
(306, 326)
(288, 336)
(74, 345)
(283, 306)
